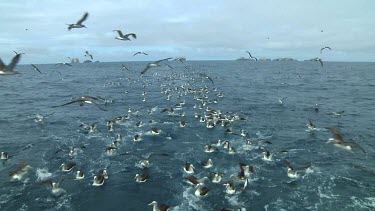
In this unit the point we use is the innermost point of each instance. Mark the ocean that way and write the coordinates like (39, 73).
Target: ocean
(271, 102)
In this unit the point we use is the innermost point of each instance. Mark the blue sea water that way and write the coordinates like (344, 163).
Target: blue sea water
(250, 89)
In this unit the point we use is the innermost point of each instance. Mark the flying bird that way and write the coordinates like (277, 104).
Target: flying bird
(250, 56)
(339, 142)
(79, 22)
(124, 67)
(321, 50)
(209, 78)
(82, 100)
(89, 55)
(124, 37)
(35, 68)
(18, 53)
(10, 69)
(140, 52)
(154, 64)
(319, 60)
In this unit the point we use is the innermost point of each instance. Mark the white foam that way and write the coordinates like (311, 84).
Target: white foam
(43, 174)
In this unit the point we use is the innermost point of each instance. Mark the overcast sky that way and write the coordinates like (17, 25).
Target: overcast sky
(196, 29)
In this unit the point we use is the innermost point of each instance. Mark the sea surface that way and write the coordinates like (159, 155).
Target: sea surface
(248, 92)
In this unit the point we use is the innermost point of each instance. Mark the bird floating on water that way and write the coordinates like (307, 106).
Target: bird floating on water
(79, 22)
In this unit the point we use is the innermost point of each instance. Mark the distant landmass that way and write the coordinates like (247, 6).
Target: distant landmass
(87, 61)
(313, 59)
(284, 59)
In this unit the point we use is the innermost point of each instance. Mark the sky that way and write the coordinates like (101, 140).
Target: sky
(195, 29)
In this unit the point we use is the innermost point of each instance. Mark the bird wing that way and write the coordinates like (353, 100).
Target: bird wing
(336, 134)
(119, 32)
(35, 68)
(71, 102)
(91, 56)
(311, 124)
(166, 59)
(145, 53)
(168, 65)
(288, 164)
(131, 34)
(98, 106)
(321, 62)
(145, 70)
(84, 17)
(137, 53)
(249, 54)
(2, 65)
(206, 76)
(14, 62)
(157, 154)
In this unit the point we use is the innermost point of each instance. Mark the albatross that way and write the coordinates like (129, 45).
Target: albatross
(339, 142)
(154, 64)
(82, 100)
(79, 22)
(9, 69)
(321, 50)
(124, 37)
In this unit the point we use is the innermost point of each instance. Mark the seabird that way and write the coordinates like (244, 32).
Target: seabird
(245, 172)
(140, 52)
(141, 177)
(217, 177)
(195, 181)
(319, 60)
(281, 101)
(110, 150)
(124, 37)
(155, 131)
(79, 22)
(210, 148)
(145, 161)
(321, 50)
(4, 156)
(189, 168)
(250, 56)
(338, 113)
(338, 141)
(207, 163)
(311, 125)
(154, 64)
(80, 175)
(201, 191)
(124, 67)
(9, 69)
(54, 185)
(159, 207)
(89, 55)
(208, 77)
(67, 167)
(230, 188)
(98, 180)
(292, 172)
(137, 137)
(82, 100)
(20, 171)
(18, 53)
(267, 156)
(35, 68)
(90, 127)
(182, 123)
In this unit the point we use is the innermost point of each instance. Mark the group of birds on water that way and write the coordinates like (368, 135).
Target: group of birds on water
(204, 97)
